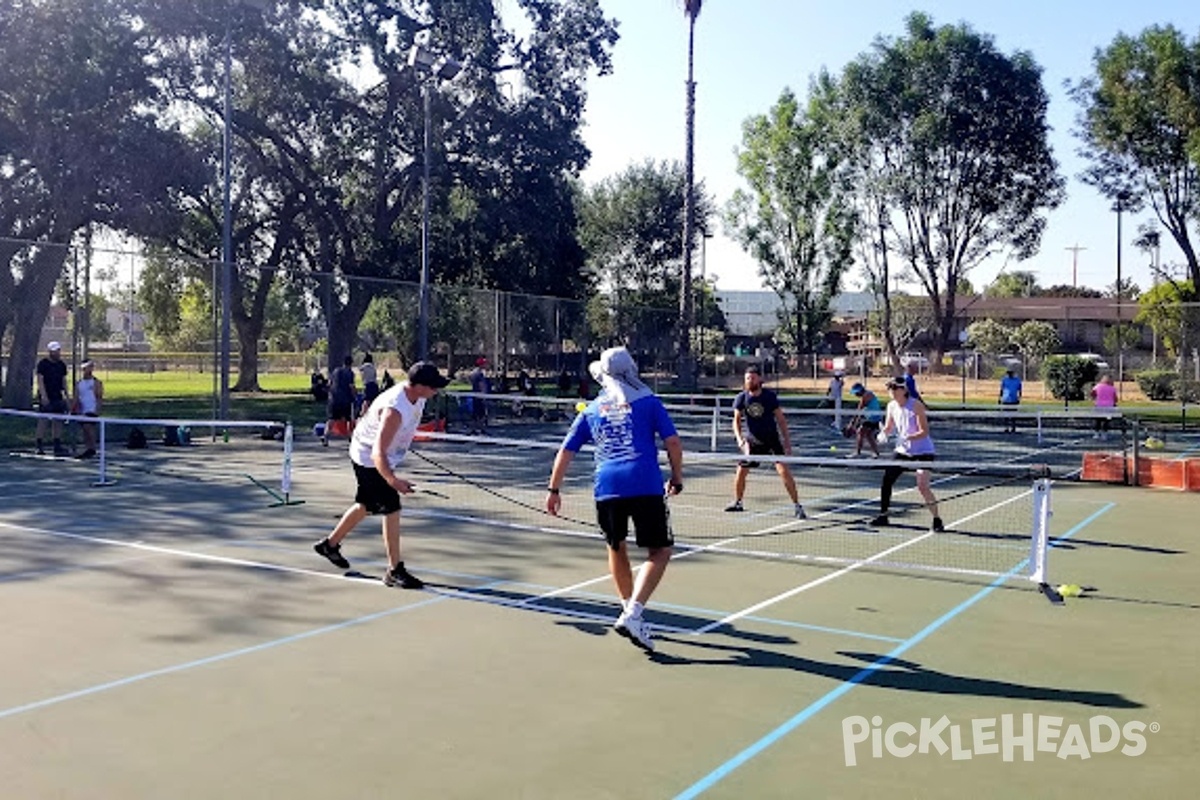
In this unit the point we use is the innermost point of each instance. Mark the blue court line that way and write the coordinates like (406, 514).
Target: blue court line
(717, 775)
(103, 687)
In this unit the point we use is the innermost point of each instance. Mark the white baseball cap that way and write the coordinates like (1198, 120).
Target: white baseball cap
(54, 346)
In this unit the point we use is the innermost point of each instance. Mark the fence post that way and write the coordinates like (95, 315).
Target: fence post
(716, 423)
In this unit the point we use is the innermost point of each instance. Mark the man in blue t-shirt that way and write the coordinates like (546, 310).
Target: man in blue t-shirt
(910, 379)
(622, 423)
(761, 430)
(1010, 395)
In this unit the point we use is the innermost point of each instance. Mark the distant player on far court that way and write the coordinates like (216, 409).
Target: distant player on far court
(623, 422)
(761, 430)
(907, 419)
(378, 446)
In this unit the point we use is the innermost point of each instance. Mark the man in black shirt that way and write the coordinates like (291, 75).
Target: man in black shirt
(52, 396)
(761, 429)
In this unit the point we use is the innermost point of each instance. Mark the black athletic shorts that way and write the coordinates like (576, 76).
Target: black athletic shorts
(58, 406)
(920, 457)
(651, 520)
(763, 447)
(339, 410)
(374, 493)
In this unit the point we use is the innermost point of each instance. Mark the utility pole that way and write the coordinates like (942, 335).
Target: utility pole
(1075, 264)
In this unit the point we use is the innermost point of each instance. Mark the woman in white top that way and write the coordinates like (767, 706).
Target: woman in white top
(379, 444)
(906, 418)
(89, 396)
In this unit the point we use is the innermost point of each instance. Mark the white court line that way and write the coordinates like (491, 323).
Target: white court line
(845, 570)
(180, 553)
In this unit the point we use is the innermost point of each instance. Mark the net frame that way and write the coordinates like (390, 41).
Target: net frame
(1036, 479)
(216, 428)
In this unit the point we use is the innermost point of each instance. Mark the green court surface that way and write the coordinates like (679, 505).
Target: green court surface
(173, 635)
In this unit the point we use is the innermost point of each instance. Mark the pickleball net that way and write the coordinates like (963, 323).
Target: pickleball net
(260, 451)
(996, 517)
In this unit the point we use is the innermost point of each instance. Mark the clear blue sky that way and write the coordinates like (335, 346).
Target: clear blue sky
(747, 51)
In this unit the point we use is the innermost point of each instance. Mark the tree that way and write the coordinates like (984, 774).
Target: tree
(84, 138)
(628, 227)
(795, 219)
(953, 136)
(989, 336)
(1066, 376)
(1139, 115)
(1164, 309)
(329, 124)
(1121, 337)
(1063, 290)
(1036, 340)
(910, 317)
(1014, 284)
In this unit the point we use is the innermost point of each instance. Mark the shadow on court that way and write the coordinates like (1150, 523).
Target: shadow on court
(897, 674)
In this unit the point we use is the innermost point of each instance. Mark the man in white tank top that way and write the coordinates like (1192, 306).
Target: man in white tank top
(379, 444)
(907, 419)
(89, 397)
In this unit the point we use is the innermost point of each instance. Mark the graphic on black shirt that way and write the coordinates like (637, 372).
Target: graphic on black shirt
(758, 411)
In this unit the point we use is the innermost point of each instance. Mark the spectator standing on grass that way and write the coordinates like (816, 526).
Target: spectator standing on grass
(369, 379)
(51, 374)
(481, 385)
(622, 423)
(910, 380)
(837, 387)
(761, 430)
(378, 447)
(89, 397)
(1010, 397)
(1105, 399)
(341, 397)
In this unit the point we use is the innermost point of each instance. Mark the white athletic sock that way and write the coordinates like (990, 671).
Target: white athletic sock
(634, 608)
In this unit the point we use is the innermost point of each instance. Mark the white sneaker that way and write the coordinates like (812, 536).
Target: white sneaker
(637, 630)
(620, 627)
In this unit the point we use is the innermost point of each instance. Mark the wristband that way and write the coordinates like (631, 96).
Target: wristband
(551, 490)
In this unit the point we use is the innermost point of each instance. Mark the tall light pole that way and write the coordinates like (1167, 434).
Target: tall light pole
(226, 204)
(226, 220)
(1075, 264)
(1153, 242)
(687, 311)
(422, 59)
(1123, 198)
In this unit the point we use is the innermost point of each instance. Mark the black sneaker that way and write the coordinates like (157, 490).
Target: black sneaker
(736, 505)
(881, 521)
(399, 576)
(86, 454)
(938, 527)
(61, 452)
(333, 552)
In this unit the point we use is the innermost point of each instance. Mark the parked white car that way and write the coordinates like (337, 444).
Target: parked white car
(914, 358)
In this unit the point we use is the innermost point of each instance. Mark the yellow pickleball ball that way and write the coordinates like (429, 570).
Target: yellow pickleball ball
(833, 448)
(581, 406)
(1070, 590)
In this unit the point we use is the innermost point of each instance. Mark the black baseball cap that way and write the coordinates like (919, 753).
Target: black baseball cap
(423, 373)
